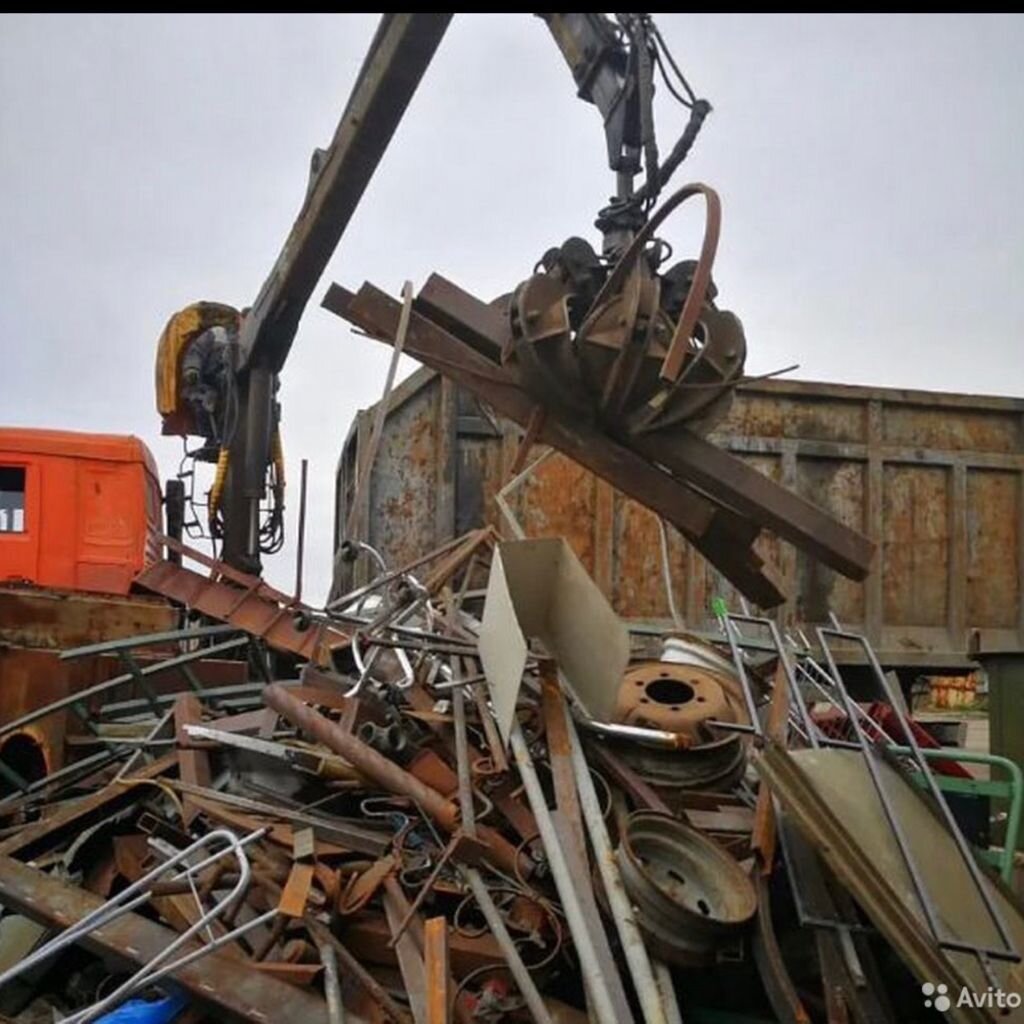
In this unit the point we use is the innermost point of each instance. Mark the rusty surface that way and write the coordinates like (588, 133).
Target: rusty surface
(58, 620)
(217, 981)
(31, 680)
(244, 601)
(438, 973)
(296, 890)
(935, 479)
(675, 698)
(352, 968)
(38, 836)
(388, 775)
(193, 763)
(721, 535)
(371, 936)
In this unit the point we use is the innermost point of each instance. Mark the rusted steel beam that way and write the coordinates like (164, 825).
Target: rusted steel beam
(193, 763)
(731, 481)
(385, 773)
(371, 935)
(407, 949)
(720, 535)
(435, 963)
(725, 479)
(399, 55)
(557, 737)
(220, 982)
(477, 323)
(253, 609)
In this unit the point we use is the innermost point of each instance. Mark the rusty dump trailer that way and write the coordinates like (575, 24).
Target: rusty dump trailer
(935, 479)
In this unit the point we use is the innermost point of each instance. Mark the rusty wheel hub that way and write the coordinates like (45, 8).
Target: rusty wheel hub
(692, 897)
(677, 698)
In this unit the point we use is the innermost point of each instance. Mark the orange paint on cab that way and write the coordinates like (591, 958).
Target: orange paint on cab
(77, 511)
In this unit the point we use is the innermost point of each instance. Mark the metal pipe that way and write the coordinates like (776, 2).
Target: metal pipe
(651, 737)
(645, 983)
(332, 983)
(527, 989)
(92, 691)
(360, 755)
(301, 540)
(668, 991)
(134, 896)
(599, 997)
(146, 640)
(462, 765)
(384, 773)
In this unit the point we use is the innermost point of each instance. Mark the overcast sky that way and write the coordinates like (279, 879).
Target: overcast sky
(870, 169)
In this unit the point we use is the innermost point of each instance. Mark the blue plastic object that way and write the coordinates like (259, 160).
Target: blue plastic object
(140, 1011)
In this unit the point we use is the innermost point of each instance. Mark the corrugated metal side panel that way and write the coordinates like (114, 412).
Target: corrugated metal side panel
(937, 480)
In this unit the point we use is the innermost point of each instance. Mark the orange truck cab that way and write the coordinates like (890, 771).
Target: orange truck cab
(77, 511)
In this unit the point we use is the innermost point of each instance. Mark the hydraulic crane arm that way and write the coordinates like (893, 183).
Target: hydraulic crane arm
(613, 64)
(219, 382)
(398, 57)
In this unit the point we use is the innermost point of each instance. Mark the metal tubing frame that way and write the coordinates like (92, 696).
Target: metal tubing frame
(870, 759)
(140, 892)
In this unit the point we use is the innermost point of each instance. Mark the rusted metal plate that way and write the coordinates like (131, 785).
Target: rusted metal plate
(58, 620)
(950, 518)
(193, 764)
(217, 981)
(916, 545)
(994, 508)
(31, 680)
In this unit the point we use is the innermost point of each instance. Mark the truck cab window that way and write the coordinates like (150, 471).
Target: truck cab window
(12, 499)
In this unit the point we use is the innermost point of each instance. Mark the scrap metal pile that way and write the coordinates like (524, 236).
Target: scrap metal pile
(464, 792)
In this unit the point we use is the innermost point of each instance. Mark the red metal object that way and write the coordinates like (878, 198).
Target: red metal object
(835, 725)
(77, 511)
